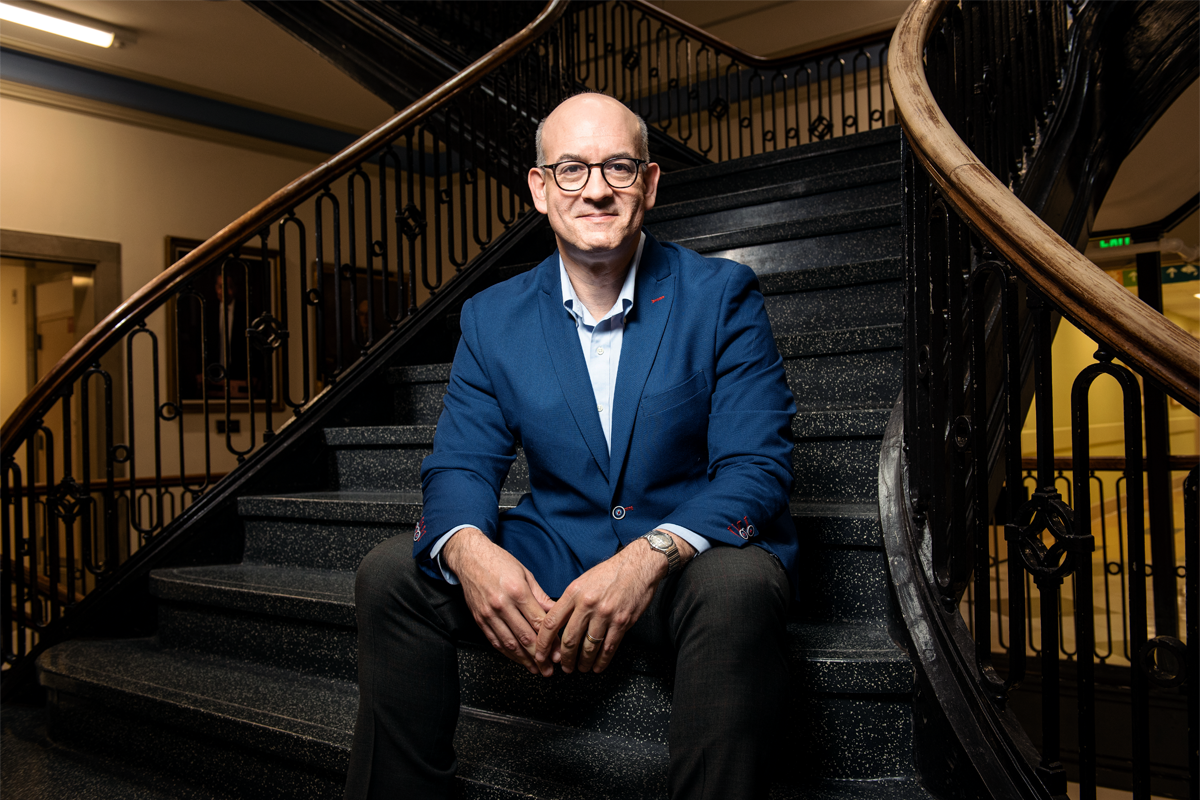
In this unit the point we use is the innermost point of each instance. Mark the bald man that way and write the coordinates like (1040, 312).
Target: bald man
(643, 384)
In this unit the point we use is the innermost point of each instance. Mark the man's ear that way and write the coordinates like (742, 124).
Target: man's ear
(652, 173)
(537, 188)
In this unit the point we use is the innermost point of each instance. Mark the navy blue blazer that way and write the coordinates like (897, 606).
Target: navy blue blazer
(700, 429)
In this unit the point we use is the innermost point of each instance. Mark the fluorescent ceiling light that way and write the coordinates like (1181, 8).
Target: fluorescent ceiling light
(80, 31)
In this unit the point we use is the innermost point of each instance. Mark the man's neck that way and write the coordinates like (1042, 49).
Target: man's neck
(597, 282)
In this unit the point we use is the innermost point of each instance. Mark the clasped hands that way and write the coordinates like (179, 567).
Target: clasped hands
(522, 622)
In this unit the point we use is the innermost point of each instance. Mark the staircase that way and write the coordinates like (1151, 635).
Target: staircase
(248, 688)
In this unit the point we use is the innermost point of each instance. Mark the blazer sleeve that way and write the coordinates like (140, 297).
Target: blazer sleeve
(473, 449)
(749, 425)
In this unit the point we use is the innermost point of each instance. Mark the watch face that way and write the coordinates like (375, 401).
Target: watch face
(659, 541)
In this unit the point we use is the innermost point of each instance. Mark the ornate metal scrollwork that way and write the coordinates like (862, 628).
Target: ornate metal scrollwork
(1045, 511)
(266, 334)
(821, 128)
(412, 222)
(718, 108)
(1164, 661)
(631, 59)
(67, 500)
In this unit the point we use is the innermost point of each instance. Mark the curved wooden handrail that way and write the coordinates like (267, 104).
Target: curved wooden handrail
(1145, 340)
(127, 315)
(733, 51)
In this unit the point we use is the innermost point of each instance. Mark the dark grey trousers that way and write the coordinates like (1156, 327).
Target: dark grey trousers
(722, 617)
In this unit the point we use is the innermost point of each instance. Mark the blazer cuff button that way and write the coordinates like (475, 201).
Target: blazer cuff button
(618, 512)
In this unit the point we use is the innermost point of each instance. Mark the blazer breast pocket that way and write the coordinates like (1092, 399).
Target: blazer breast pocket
(693, 388)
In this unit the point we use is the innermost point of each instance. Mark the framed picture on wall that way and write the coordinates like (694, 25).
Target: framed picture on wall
(364, 312)
(209, 353)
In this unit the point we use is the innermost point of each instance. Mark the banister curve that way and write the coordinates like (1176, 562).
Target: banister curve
(1144, 339)
(146, 299)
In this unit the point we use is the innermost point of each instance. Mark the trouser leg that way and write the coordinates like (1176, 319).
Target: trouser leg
(408, 624)
(727, 614)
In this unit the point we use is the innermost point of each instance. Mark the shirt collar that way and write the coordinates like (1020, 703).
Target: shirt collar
(624, 302)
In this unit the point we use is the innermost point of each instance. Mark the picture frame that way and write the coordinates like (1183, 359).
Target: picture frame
(208, 351)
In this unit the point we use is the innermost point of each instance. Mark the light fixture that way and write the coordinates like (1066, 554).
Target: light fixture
(64, 23)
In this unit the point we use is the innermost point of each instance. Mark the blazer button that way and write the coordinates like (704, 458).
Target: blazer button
(618, 512)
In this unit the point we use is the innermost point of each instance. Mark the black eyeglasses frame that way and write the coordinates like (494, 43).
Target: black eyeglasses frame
(637, 172)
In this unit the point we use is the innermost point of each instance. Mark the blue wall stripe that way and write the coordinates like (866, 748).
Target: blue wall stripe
(57, 76)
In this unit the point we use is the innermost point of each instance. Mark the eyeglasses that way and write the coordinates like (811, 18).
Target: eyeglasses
(619, 173)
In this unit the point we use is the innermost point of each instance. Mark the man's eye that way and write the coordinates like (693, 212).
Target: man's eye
(619, 167)
(569, 170)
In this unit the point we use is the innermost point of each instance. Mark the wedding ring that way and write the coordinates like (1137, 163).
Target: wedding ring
(593, 639)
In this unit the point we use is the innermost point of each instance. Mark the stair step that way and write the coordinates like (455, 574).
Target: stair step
(845, 340)
(838, 524)
(793, 211)
(839, 423)
(812, 179)
(845, 379)
(836, 470)
(836, 308)
(865, 218)
(305, 723)
(417, 392)
(860, 149)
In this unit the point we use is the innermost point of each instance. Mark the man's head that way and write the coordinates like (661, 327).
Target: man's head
(596, 225)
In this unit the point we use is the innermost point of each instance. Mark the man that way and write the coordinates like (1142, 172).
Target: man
(644, 385)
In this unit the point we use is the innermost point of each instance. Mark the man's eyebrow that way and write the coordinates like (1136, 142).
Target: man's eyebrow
(577, 157)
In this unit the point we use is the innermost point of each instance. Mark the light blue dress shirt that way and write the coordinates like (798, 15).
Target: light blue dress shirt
(601, 343)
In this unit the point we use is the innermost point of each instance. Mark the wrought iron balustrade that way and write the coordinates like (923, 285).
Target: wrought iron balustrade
(998, 101)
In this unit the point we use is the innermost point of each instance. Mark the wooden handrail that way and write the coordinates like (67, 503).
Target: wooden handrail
(126, 316)
(1144, 339)
(733, 51)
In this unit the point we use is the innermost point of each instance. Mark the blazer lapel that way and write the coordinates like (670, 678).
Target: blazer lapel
(653, 300)
(562, 340)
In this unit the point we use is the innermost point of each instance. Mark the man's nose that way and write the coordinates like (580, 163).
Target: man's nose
(596, 187)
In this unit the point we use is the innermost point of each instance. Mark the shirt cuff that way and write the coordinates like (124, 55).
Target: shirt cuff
(691, 537)
(435, 553)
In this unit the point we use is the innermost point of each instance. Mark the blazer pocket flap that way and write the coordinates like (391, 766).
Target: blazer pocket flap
(680, 393)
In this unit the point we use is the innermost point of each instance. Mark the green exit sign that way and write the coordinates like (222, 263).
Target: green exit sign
(1114, 241)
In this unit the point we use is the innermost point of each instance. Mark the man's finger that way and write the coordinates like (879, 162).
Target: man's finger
(540, 596)
(573, 639)
(609, 649)
(589, 650)
(501, 638)
(558, 616)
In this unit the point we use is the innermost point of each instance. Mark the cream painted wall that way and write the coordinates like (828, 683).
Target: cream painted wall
(68, 174)
(13, 371)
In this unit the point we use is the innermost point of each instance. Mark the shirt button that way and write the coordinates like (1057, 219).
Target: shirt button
(600, 409)
(599, 351)
(618, 512)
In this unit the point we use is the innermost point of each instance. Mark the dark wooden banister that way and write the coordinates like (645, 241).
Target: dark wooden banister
(1144, 339)
(735, 52)
(126, 316)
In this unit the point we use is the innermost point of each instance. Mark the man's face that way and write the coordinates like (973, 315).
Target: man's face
(596, 223)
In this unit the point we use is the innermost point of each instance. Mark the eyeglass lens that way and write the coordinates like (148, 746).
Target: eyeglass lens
(620, 173)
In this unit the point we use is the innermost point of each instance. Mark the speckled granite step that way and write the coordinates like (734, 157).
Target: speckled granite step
(328, 530)
(811, 179)
(838, 524)
(301, 727)
(845, 379)
(833, 212)
(837, 308)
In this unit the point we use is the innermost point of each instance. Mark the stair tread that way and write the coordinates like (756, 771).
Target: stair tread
(345, 506)
(379, 435)
(309, 592)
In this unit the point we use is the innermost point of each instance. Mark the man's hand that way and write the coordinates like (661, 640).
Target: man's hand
(602, 603)
(504, 597)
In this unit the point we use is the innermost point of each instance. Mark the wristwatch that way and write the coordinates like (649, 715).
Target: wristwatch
(664, 544)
